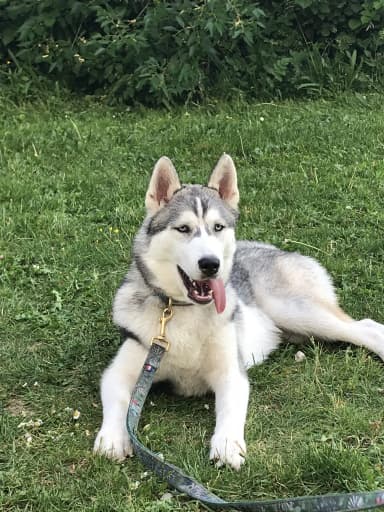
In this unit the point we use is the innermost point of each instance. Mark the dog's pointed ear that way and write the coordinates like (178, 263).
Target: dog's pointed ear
(224, 180)
(164, 182)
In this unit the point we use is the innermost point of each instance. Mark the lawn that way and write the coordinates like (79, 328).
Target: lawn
(72, 181)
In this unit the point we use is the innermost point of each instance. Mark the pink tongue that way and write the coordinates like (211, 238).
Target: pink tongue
(217, 286)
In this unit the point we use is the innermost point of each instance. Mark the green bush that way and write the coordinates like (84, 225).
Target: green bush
(159, 52)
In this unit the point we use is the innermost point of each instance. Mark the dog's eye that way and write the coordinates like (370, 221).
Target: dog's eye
(183, 229)
(218, 227)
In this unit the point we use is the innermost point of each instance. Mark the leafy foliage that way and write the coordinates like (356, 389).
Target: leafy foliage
(160, 52)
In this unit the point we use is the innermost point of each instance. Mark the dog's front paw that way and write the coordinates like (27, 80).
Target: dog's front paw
(227, 450)
(114, 443)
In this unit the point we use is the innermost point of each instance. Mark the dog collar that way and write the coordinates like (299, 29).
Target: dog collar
(165, 299)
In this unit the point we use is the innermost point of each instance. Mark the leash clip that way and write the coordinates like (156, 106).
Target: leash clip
(165, 317)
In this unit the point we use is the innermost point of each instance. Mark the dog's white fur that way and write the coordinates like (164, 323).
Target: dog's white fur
(209, 351)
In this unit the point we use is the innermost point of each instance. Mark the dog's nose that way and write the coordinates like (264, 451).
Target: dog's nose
(209, 265)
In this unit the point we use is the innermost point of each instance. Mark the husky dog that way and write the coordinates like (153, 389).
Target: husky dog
(233, 302)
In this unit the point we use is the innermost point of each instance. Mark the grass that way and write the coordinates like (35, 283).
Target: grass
(72, 181)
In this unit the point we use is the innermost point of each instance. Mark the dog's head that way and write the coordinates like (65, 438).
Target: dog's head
(187, 243)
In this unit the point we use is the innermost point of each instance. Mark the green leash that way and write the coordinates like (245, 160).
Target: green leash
(187, 485)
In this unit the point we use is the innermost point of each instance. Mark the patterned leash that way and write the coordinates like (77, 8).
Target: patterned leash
(187, 485)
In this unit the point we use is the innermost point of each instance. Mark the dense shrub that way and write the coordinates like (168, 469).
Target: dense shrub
(160, 52)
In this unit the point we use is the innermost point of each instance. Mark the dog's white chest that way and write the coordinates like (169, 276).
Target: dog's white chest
(193, 341)
(190, 338)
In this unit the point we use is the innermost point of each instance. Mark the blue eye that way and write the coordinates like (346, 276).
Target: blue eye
(218, 227)
(183, 229)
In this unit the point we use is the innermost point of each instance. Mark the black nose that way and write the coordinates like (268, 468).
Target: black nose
(209, 265)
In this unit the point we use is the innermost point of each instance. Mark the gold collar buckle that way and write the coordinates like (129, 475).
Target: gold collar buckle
(165, 317)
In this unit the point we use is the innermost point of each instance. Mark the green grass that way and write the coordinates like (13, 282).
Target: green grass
(72, 181)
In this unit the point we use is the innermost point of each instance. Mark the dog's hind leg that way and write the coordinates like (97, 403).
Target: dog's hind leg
(297, 293)
(311, 316)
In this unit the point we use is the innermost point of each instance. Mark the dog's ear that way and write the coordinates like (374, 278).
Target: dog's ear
(224, 180)
(164, 182)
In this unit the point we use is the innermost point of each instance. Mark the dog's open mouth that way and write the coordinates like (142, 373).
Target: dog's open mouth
(204, 291)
